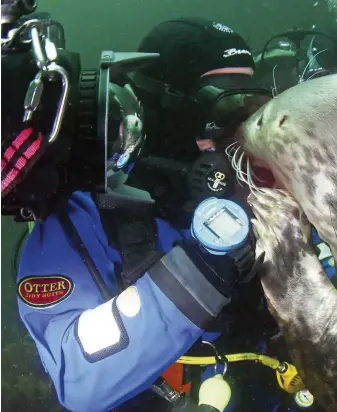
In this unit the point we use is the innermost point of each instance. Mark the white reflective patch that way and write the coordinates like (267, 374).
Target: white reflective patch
(128, 302)
(324, 251)
(98, 329)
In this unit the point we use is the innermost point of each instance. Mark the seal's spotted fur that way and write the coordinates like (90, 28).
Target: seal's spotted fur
(295, 134)
(299, 294)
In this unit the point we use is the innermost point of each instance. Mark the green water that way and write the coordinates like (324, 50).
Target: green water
(119, 25)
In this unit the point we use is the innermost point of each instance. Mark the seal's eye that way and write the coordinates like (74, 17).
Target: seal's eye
(260, 122)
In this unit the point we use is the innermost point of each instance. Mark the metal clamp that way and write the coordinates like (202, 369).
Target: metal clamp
(219, 360)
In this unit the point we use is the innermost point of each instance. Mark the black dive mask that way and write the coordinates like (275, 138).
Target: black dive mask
(215, 95)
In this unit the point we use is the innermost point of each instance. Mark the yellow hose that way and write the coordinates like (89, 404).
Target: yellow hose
(286, 374)
(236, 357)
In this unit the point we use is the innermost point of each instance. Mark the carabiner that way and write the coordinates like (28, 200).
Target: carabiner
(219, 360)
(45, 56)
(55, 68)
(35, 91)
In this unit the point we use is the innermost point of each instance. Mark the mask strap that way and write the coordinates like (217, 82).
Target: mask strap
(169, 97)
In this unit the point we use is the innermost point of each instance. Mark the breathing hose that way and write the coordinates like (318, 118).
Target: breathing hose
(236, 357)
(286, 374)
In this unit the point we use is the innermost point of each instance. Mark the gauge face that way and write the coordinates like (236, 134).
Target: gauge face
(224, 225)
(304, 398)
(220, 225)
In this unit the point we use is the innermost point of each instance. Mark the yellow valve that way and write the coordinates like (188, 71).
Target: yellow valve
(289, 379)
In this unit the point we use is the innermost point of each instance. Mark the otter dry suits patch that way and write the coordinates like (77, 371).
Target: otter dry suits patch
(44, 291)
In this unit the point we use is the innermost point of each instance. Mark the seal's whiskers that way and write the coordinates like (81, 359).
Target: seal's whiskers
(251, 184)
(274, 89)
(315, 74)
(240, 172)
(237, 166)
(236, 158)
(231, 153)
(308, 64)
(229, 149)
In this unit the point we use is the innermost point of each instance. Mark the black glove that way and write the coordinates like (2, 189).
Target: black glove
(201, 284)
(220, 271)
(225, 272)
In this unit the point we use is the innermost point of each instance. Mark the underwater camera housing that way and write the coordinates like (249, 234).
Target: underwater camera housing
(79, 112)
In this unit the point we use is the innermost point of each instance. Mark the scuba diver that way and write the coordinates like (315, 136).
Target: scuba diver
(109, 304)
(189, 106)
(197, 57)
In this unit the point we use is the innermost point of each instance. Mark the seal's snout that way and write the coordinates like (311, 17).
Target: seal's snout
(262, 176)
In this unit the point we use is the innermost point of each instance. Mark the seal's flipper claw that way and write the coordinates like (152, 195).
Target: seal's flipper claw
(263, 236)
(255, 269)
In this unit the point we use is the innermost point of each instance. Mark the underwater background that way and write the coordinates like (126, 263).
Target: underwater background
(119, 25)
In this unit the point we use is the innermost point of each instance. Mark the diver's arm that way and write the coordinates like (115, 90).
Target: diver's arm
(99, 354)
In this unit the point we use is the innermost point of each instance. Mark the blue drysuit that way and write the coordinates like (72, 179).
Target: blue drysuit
(99, 354)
